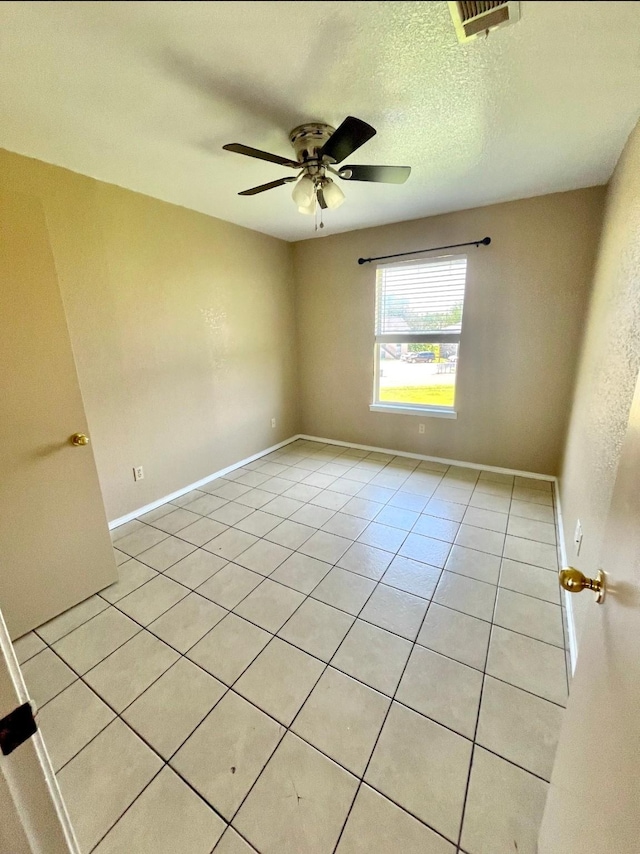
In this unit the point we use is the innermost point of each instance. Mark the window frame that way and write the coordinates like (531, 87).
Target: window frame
(424, 409)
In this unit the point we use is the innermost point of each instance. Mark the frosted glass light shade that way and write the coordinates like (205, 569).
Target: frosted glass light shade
(304, 192)
(333, 195)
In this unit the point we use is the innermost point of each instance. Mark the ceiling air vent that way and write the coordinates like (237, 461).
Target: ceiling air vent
(474, 19)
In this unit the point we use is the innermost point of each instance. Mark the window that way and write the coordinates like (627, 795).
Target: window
(418, 326)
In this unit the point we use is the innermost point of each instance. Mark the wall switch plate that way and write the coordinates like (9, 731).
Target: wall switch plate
(273, 422)
(577, 537)
(420, 428)
(138, 473)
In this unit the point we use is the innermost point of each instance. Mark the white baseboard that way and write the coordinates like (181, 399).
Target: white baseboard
(443, 460)
(115, 523)
(148, 507)
(568, 601)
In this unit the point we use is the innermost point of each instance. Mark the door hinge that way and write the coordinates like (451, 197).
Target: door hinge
(16, 728)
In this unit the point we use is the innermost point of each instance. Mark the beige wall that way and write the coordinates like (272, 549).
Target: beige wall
(182, 327)
(607, 373)
(184, 331)
(526, 300)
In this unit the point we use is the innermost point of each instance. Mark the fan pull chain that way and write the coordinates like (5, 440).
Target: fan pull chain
(318, 208)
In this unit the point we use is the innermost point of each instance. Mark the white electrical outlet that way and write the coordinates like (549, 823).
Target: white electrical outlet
(138, 473)
(420, 428)
(577, 537)
(273, 422)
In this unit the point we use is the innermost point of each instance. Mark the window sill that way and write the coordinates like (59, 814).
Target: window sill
(424, 411)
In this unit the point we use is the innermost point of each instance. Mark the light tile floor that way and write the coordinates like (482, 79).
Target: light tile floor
(327, 650)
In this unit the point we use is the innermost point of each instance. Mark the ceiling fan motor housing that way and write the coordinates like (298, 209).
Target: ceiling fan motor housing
(307, 140)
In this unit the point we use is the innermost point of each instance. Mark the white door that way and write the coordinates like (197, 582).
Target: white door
(33, 818)
(55, 548)
(594, 799)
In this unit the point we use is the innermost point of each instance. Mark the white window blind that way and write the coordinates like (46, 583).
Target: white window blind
(420, 300)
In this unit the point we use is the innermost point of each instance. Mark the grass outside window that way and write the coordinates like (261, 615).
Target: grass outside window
(442, 395)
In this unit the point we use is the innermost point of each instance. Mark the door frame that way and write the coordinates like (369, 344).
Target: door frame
(567, 603)
(31, 801)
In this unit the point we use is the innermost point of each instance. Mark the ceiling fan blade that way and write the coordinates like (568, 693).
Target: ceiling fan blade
(351, 134)
(261, 189)
(380, 174)
(321, 200)
(238, 148)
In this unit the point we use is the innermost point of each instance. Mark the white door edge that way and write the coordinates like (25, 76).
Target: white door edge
(568, 601)
(10, 769)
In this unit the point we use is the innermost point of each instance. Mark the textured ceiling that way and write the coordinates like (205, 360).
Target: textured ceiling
(144, 94)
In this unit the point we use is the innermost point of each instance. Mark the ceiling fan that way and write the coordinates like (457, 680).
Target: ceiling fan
(319, 147)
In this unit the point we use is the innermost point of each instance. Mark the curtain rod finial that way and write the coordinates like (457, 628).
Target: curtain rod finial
(486, 241)
(362, 260)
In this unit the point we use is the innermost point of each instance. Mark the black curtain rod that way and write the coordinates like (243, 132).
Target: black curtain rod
(484, 242)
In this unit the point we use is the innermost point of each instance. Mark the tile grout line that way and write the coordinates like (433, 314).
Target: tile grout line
(166, 762)
(326, 667)
(317, 681)
(484, 676)
(345, 569)
(393, 699)
(309, 501)
(227, 686)
(118, 716)
(337, 565)
(306, 596)
(407, 532)
(383, 505)
(192, 590)
(274, 634)
(406, 663)
(375, 744)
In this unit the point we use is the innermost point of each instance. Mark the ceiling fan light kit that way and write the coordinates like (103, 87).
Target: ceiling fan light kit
(318, 148)
(304, 192)
(332, 193)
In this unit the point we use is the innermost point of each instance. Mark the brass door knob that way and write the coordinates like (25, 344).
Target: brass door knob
(79, 439)
(574, 581)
